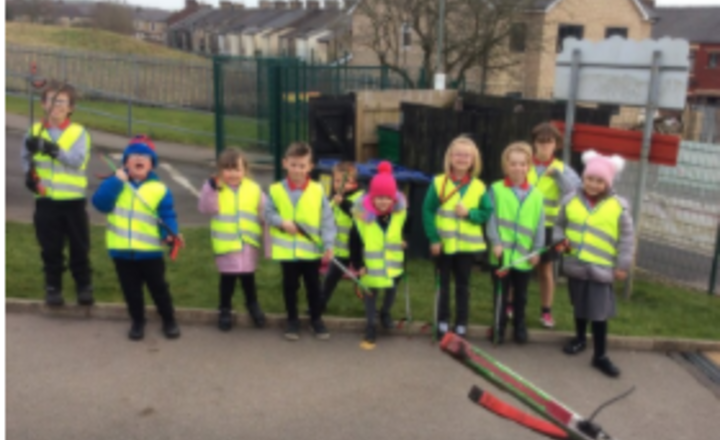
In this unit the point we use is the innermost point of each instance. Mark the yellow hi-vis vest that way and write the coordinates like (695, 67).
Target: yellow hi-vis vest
(344, 223)
(60, 181)
(382, 250)
(517, 223)
(549, 189)
(131, 224)
(458, 234)
(237, 220)
(593, 234)
(307, 214)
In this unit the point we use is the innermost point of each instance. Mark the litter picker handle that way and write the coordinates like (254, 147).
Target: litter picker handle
(502, 270)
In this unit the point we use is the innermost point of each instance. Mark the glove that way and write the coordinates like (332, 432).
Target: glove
(213, 183)
(32, 144)
(51, 149)
(31, 182)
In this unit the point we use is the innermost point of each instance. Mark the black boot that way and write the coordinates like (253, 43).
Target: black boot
(171, 329)
(257, 315)
(53, 297)
(603, 364)
(292, 330)
(137, 331)
(370, 335)
(520, 332)
(320, 330)
(85, 295)
(386, 321)
(574, 346)
(225, 321)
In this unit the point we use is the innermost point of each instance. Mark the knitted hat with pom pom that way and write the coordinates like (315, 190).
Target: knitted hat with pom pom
(141, 144)
(603, 167)
(383, 184)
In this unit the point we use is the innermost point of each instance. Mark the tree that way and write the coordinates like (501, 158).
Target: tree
(483, 34)
(113, 17)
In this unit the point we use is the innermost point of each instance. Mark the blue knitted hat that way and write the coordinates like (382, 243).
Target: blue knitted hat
(141, 144)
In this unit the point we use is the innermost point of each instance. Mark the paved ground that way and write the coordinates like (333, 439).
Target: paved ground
(183, 178)
(82, 380)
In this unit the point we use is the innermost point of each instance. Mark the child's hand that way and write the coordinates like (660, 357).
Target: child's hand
(435, 249)
(620, 274)
(498, 251)
(289, 227)
(563, 246)
(535, 260)
(122, 175)
(461, 211)
(170, 239)
(337, 200)
(328, 255)
(362, 272)
(214, 183)
(404, 244)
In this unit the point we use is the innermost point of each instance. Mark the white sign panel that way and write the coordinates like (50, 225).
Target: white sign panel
(617, 71)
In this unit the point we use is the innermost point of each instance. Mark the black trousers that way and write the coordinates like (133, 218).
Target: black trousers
(57, 222)
(133, 274)
(388, 301)
(292, 271)
(332, 278)
(227, 288)
(457, 266)
(519, 281)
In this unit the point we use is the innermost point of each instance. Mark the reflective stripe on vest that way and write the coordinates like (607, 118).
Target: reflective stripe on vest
(550, 190)
(517, 223)
(62, 182)
(458, 235)
(307, 214)
(238, 220)
(383, 251)
(343, 222)
(131, 225)
(593, 234)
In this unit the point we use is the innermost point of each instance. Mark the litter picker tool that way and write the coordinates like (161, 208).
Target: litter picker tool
(33, 84)
(177, 241)
(436, 304)
(407, 320)
(546, 406)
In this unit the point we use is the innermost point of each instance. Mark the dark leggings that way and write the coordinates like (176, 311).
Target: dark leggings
(227, 288)
(599, 332)
(458, 266)
(519, 280)
(388, 300)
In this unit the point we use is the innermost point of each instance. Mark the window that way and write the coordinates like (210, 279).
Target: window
(619, 31)
(713, 60)
(518, 35)
(152, 26)
(568, 30)
(406, 36)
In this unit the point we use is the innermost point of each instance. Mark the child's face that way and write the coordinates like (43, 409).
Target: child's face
(138, 166)
(298, 168)
(462, 159)
(59, 112)
(593, 185)
(545, 149)
(338, 178)
(383, 203)
(233, 176)
(517, 166)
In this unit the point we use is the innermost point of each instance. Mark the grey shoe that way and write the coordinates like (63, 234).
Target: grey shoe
(292, 331)
(85, 295)
(53, 297)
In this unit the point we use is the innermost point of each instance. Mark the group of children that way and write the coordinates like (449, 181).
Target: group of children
(539, 210)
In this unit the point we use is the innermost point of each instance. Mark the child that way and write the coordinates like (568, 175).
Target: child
(380, 217)
(302, 222)
(54, 159)
(236, 203)
(515, 230)
(134, 198)
(599, 232)
(554, 180)
(348, 247)
(454, 209)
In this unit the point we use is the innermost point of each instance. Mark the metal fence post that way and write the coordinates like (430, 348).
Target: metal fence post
(130, 97)
(715, 262)
(572, 102)
(63, 59)
(219, 106)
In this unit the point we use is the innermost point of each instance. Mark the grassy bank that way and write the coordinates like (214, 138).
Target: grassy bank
(653, 310)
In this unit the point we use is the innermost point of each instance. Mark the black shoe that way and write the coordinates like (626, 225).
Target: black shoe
(370, 335)
(85, 295)
(170, 329)
(386, 321)
(137, 331)
(318, 327)
(520, 334)
(574, 346)
(257, 315)
(53, 297)
(292, 331)
(603, 364)
(225, 321)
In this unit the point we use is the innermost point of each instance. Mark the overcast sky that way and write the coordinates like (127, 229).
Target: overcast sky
(178, 4)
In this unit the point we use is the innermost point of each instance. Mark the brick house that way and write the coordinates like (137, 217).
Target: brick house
(701, 27)
(150, 24)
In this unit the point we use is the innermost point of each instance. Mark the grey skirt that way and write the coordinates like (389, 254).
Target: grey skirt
(591, 300)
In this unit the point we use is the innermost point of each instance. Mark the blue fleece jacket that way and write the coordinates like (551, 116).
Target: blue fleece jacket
(104, 201)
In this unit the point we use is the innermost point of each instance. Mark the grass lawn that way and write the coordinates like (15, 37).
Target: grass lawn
(242, 128)
(653, 310)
